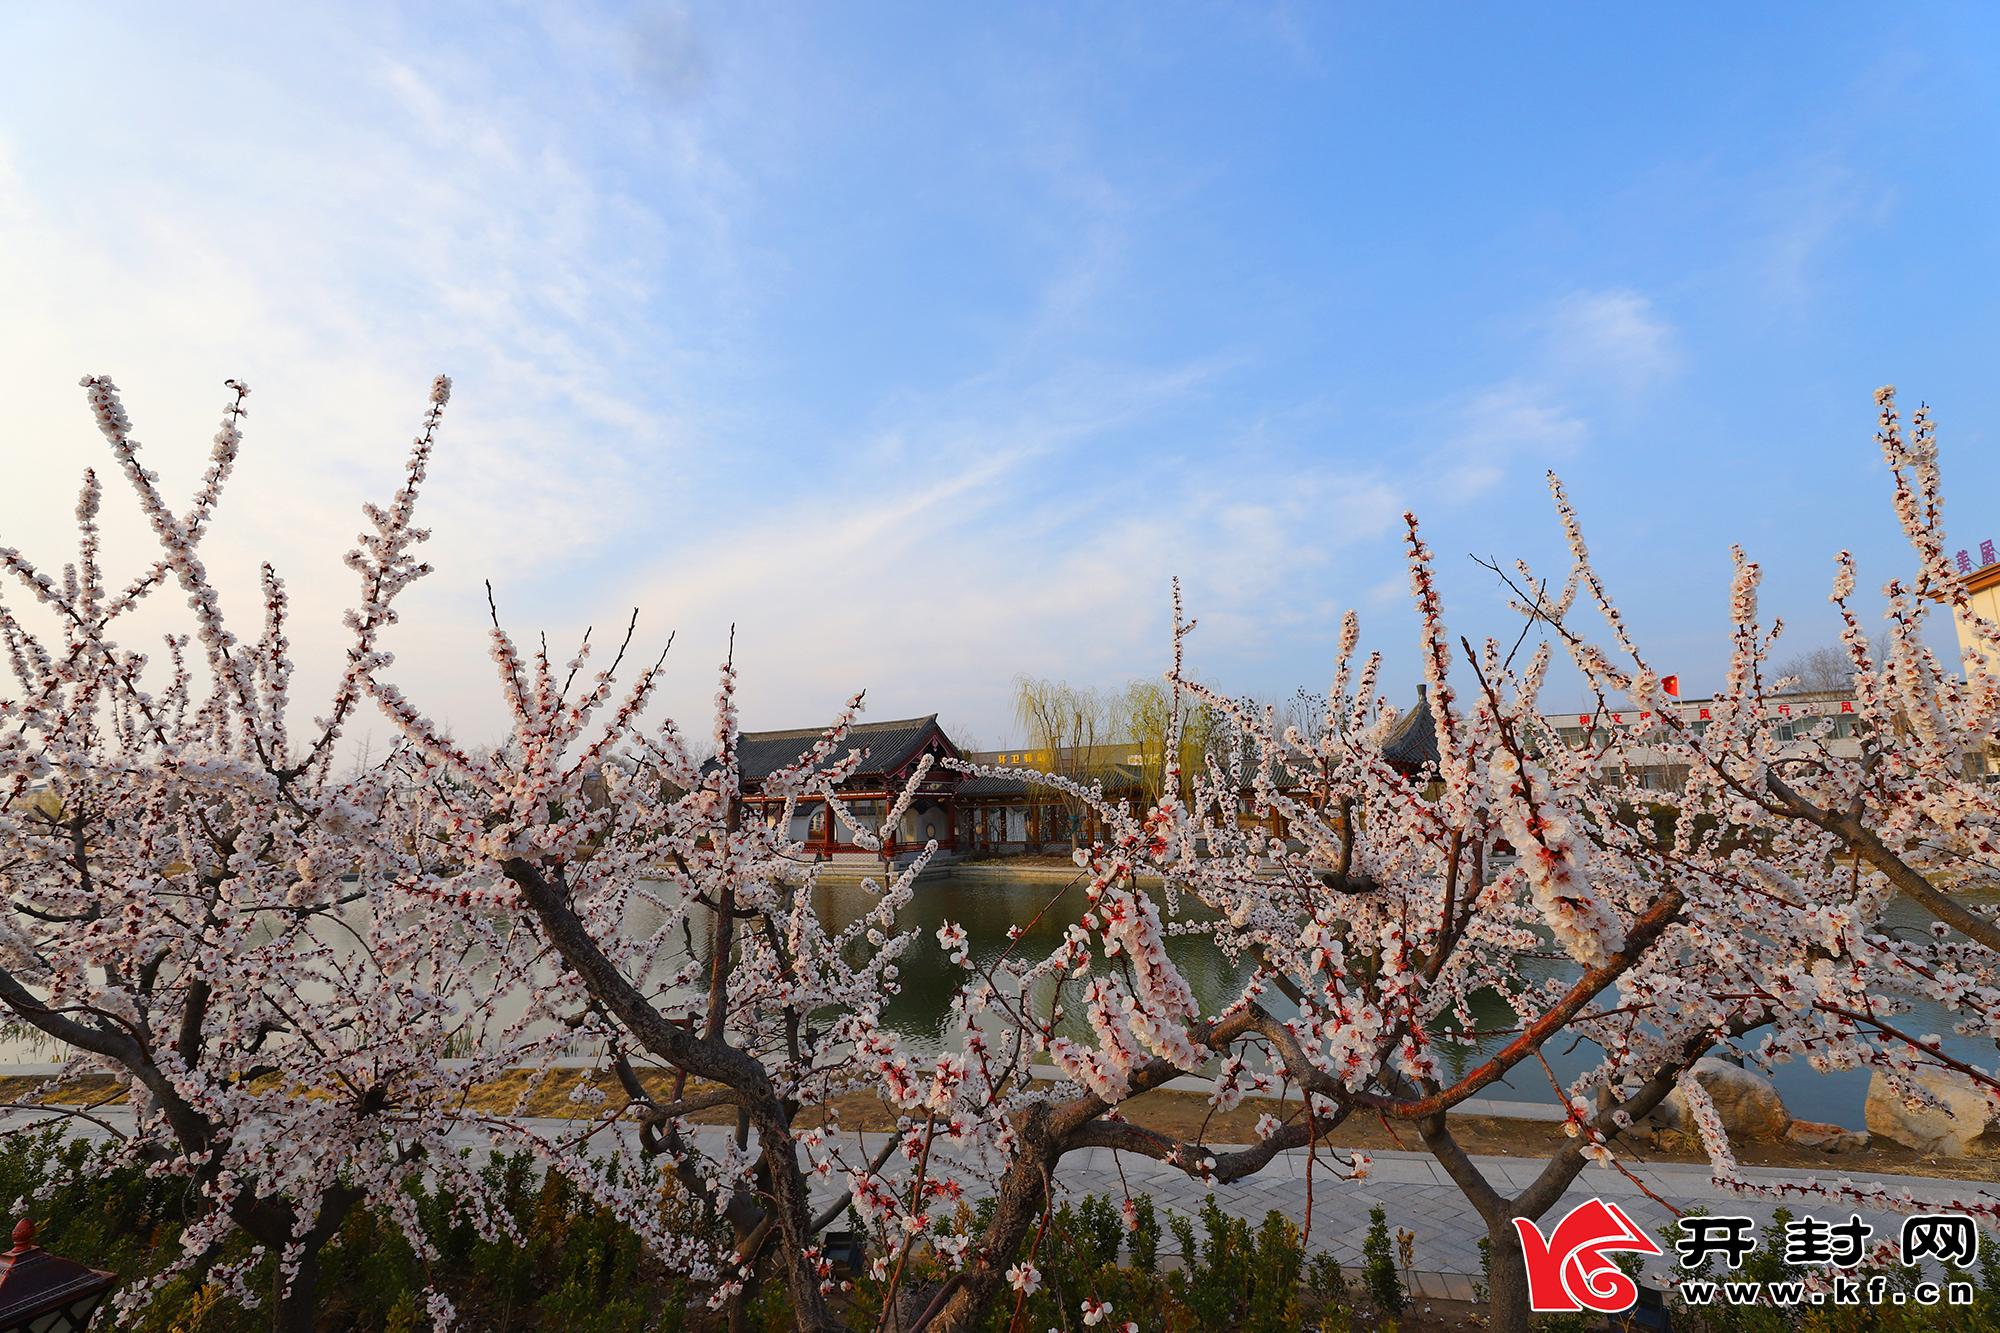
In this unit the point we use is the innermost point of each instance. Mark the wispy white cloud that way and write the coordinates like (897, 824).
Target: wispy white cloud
(1502, 427)
(1592, 351)
(904, 557)
(577, 214)
(335, 242)
(1613, 338)
(1805, 212)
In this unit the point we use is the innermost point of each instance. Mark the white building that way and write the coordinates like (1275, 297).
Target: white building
(1799, 717)
(1982, 586)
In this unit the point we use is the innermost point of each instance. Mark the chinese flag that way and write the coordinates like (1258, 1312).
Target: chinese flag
(1672, 685)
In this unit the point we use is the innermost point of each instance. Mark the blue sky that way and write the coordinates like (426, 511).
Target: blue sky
(926, 343)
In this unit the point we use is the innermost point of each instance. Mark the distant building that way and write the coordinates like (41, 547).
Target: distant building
(1982, 586)
(1412, 743)
(1805, 720)
(964, 815)
(892, 752)
(1009, 814)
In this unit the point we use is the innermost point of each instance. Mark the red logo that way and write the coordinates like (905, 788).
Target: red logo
(1568, 1271)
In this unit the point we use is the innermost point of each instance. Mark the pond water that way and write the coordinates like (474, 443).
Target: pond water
(986, 908)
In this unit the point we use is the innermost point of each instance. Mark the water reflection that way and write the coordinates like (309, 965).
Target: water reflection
(1044, 909)
(987, 907)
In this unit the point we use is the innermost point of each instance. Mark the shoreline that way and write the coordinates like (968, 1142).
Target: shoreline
(1484, 1126)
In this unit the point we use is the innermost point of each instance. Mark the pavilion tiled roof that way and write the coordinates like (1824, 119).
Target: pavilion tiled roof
(889, 746)
(1413, 743)
(985, 786)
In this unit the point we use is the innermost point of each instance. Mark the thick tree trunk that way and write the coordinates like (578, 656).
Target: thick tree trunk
(268, 1220)
(1017, 1207)
(1507, 1284)
(792, 1203)
(298, 1308)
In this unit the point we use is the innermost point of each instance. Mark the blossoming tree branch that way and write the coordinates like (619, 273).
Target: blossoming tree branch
(252, 946)
(272, 961)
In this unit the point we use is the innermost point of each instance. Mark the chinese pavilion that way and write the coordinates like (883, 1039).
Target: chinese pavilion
(891, 752)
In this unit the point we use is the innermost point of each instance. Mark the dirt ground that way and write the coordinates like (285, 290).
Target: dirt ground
(1027, 860)
(1187, 1116)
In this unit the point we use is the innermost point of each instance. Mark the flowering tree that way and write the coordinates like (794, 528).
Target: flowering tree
(272, 960)
(1914, 806)
(624, 849)
(1399, 899)
(1372, 930)
(1831, 837)
(252, 948)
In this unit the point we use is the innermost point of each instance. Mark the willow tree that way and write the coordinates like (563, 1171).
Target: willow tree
(1064, 725)
(1145, 714)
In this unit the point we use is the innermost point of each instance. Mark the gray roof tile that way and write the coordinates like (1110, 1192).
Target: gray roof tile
(1413, 743)
(889, 745)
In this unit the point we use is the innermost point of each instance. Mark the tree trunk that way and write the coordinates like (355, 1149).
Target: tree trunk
(1507, 1271)
(298, 1308)
(790, 1200)
(1016, 1208)
(1507, 1283)
(268, 1220)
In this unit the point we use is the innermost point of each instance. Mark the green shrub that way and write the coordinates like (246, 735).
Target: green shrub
(1277, 1265)
(573, 1266)
(1326, 1289)
(1378, 1266)
(1145, 1242)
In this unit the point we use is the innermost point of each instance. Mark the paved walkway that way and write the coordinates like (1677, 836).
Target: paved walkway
(1415, 1193)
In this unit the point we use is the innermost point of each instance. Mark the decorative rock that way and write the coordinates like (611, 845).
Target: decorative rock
(1749, 1105)
(1746, 1101)
(1967, 1124)
(1826, 1138)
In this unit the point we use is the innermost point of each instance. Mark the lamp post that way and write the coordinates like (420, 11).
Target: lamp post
(44, 1293)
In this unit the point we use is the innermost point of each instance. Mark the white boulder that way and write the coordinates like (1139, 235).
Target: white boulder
(1747, 1102)
(1750, 1108)
(1965, 1123)
(1826, 1138)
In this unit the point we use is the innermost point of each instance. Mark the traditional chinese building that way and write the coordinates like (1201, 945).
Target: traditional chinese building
(1982, 589)
(1001, 815)
(965, 815)
(1412, 745)
(1822, 719)
(891, 752)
